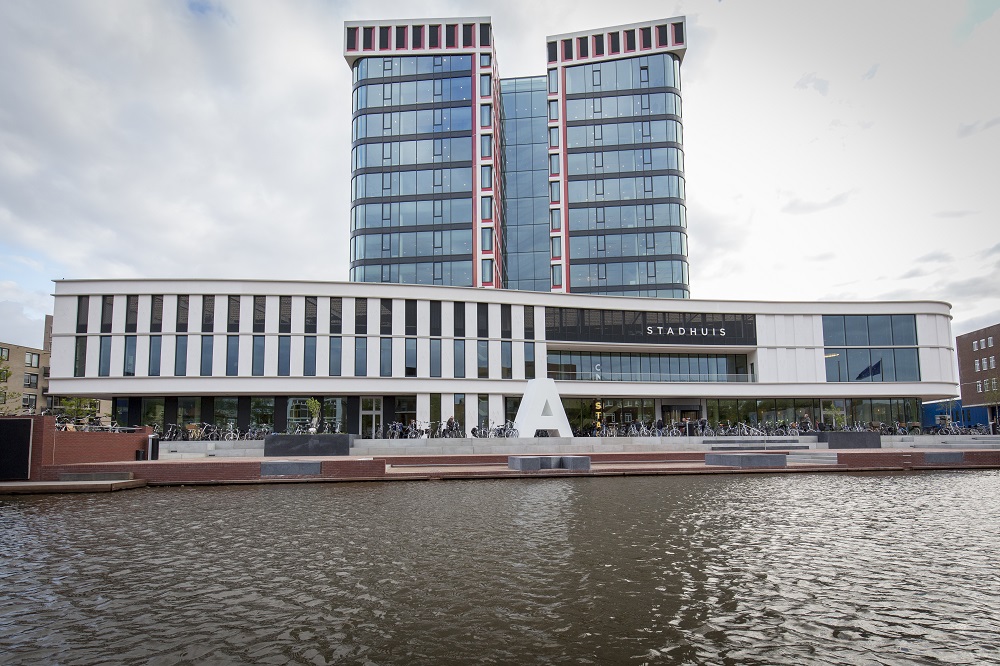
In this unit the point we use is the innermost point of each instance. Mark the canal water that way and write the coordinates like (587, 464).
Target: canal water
(734, 569)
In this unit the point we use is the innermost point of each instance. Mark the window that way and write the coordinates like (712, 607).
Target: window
(258, 356)
(104, 366)
(207, 314)
(156, 314)
(206, 355)
(483, 358)
(989, 341)
(284, 314)
(485, 89)
(979, 387)
(385, 357)
(284, 355)
(80, 360)
(233, 315)
(977, 365)
(554, 164)
(557, 275)
(488, 271)
(82, 313)
(183, 305)
(555, 219)
(385, 316)
(155, 344)
(486, 115)
(29, 401)
(556, 247)
(180, 356)
(553, 53)
(435, 346)
(982, 343)
(309, 356)
(259, 313)
(484, 60)
(486, 208)
(993, 362)
(30, 380)
(32, 360)
(410, 357)
(435, 323)
(232, 355)
(4, 354)
(486, 176)
(410, 316)
(459, 359)
(554, 191)
(553, 81)
(131, 313)
(975, 345)
(487, 239)
(486, 145)
(506, 329)
(336, 349)
(107, 312)
(459, 319)
(554, 137)
(506, 360)
(529, 360)
(360, 357)
(336, 315)
(361, 316)
(483, 320)
(129, 365)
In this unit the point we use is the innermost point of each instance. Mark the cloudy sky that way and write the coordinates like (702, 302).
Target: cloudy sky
(835, 150)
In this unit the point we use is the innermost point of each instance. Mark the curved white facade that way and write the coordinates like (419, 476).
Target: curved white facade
(401, 348)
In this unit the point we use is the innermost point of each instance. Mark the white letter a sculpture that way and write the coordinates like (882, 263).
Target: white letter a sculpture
(541, 409)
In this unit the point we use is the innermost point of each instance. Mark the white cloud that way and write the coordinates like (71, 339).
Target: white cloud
(213, 139)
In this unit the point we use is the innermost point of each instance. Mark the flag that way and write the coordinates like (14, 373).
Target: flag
(870, 371)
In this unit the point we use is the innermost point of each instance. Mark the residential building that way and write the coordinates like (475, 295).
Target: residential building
(569, 182)
(24, 378)
(979, 377)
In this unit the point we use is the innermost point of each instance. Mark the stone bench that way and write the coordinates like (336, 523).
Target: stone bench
(537, 463)
(744, 460)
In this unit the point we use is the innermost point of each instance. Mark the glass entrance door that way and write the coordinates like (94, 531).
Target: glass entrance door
(371, 418)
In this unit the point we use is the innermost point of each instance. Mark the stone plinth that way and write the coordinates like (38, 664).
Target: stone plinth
(836, 439)
(944, 457)
(746, 459)
(325, 444)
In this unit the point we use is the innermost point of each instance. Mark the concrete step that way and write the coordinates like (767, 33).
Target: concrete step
(813, 458)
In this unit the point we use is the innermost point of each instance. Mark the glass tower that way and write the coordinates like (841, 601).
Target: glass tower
(526, 177)
(571, 182)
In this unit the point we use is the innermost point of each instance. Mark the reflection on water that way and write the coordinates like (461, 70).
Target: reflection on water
(755, 569)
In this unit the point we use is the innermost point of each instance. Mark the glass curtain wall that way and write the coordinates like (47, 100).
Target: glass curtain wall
(625, 177)
(526, 177)
(412, 159)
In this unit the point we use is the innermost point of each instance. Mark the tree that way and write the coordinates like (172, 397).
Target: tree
(79, 408)
(10, 401)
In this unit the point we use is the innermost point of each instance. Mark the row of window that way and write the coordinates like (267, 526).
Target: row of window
(624, 161)
(601, 218)
(622, 134)
(652, 71)
(408, 93)
(452, 273)
(621, 106)
(872, 365)
(624, 367)
(626, 189)
(407, 123)
(402, 153)
(982, 343)
(386, 306)
(31, 359)
(378, 68)
(612, 273)
(835, 413)
(411, 244)
(207, 346)
(992, 365)
(411, 183)
(412, 213)
(616, 326)
(628, 245)
(865, 330)
(984, 385)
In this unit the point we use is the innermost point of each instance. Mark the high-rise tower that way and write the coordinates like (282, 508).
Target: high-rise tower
(571, 182)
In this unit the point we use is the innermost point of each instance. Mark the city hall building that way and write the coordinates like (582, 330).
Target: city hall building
(184, 351)
(502, 230)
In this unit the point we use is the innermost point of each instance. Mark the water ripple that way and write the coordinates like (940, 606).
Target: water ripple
(762, 569)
